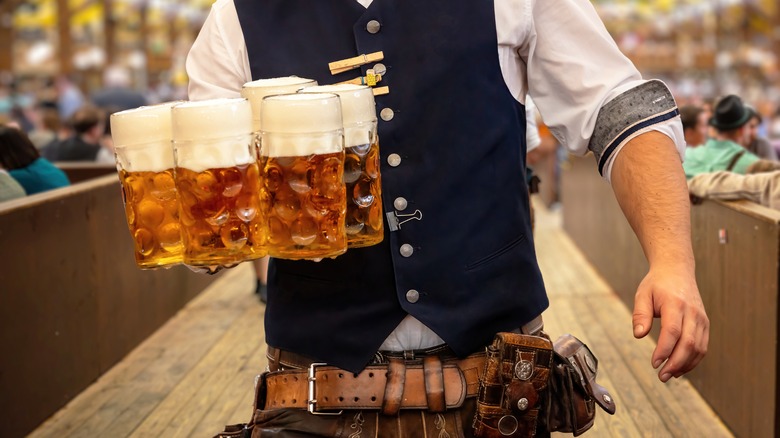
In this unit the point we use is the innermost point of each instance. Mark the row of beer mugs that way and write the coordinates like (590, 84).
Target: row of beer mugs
(290, 170)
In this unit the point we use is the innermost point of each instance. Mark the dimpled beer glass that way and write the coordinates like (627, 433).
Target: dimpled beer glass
(144, 160)
(218, 182)
(255, 91)
(302, 159)
(361, 163)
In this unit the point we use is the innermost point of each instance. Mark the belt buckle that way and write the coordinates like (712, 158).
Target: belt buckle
(312, 401)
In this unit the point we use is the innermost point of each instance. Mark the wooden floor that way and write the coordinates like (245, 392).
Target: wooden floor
(196, 373)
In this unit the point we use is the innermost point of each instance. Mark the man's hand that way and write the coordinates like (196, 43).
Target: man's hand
(684, 325)
(650, 187)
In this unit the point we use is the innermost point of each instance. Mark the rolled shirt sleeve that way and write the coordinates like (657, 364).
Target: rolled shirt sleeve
(217, 64)
(589, 94)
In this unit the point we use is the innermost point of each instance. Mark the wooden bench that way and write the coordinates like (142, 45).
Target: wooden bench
(72, 301)
(79, 171)
(737, 250)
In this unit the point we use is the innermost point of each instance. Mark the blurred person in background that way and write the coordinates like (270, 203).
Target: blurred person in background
(9, 187)
(106, 153)
(754, 142)
(725, 151)
(118, 94)
(69, 96)
(774, 125)
(46, 125)
(724, 169)
(16, 105)
(762, 188)
(23, 161)
(695, 120)
(84, 144)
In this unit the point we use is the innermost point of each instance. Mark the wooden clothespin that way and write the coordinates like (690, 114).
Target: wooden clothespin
(369, 79)
(337, 67)
(378, 91)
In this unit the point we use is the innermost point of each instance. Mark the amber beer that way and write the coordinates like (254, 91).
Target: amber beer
(361, 164)
(144, 159)
(302, 161)
(218, 182)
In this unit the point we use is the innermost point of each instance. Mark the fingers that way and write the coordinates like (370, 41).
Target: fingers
(671, 331)
(643, 313)
(692, 333)
(691, 350)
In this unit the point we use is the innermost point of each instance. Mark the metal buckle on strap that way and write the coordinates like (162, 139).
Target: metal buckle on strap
(312, 401)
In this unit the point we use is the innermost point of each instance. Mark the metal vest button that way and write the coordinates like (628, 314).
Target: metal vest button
(373, 26)
(387, 114)
(394, 160)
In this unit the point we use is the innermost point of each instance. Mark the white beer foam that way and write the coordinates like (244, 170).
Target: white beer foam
(358, 110)
(255, 91)
(296, 125)
(213, 133)
(198, 155)
(142, 138)
(212, 119)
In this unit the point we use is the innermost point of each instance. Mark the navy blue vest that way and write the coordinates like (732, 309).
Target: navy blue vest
(461, 138)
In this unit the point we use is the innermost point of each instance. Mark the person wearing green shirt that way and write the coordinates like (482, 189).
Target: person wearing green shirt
(723, 152)
(723, 169)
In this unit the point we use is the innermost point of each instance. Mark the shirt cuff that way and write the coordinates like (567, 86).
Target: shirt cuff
(631, 113)
(671, 128)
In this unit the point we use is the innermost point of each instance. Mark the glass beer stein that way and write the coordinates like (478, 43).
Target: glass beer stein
(255, 91)
(218, 182)
(302, 159)
(144, 160)
(364, 224)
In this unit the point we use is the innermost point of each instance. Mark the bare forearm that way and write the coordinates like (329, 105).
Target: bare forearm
(650, 187)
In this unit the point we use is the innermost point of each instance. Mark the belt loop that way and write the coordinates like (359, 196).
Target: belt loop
(434, 384)
(274, 356)
(394, 388)
(533, 327)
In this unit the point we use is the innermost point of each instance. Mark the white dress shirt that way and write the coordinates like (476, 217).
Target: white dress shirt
(558, 52)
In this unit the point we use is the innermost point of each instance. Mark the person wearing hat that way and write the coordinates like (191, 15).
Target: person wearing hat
(724, 169)
(724, 151)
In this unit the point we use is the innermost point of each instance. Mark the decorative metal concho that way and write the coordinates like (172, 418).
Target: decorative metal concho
(524, 369)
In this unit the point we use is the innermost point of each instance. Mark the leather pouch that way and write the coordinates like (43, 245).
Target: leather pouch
(573, 391)
(513, 388)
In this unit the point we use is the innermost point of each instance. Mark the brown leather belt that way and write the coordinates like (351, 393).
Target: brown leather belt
(430, 383)
(432, 379)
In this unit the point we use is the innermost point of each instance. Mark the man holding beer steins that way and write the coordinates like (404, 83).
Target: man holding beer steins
(390, 339)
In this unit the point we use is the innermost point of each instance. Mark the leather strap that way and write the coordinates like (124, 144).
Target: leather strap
(434, 384)
(394, 388)
(336, 389)
(734, 160)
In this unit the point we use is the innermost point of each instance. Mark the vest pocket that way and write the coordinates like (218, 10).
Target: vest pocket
(494, 255)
